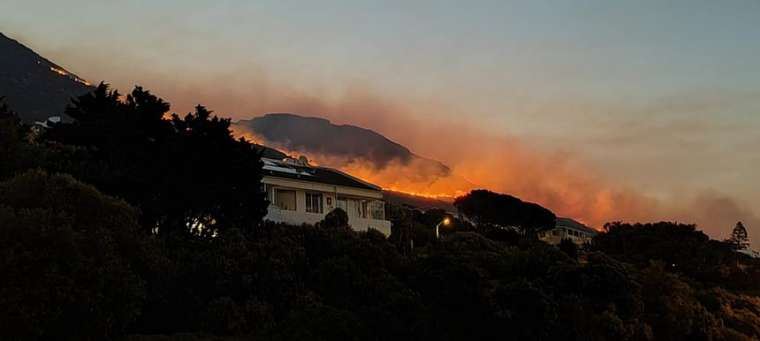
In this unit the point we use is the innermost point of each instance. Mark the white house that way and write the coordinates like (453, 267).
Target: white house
(303, 194)
(567, 228)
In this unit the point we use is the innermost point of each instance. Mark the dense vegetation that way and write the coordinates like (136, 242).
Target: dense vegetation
(132, 224)
(486, 208)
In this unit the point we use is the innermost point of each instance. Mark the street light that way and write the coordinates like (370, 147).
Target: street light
(445, 221)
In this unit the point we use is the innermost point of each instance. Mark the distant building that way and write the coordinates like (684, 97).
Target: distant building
(39, 127)
(303, 194)
(749, 252)
(567, 228)
(51, 121)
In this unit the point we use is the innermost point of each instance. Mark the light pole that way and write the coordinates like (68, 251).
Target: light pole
(445, 221)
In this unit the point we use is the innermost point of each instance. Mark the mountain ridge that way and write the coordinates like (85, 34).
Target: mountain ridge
(33, 86)
(319, 136)
(37, 88)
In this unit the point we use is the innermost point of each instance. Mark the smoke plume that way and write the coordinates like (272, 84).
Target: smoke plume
(560, 181)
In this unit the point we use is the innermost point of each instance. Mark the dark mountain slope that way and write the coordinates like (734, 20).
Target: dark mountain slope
(33, 86)
(318, 136)
(419, 202)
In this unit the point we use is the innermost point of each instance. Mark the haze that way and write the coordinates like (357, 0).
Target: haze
(641, 110)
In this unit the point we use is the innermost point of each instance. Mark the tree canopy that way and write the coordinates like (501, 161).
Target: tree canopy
(484, 207)
(69, 256)
(739, 239)
(184, 173)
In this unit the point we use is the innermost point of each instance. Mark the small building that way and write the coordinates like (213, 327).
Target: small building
(749, 252)
(303, 194)
(567, 228)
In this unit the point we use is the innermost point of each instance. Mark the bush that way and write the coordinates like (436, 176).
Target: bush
(65, 258)
(337, 218)
(569, 248)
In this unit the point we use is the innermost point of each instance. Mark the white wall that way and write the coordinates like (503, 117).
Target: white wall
(556, 235)
(300, 216)
(292, 217)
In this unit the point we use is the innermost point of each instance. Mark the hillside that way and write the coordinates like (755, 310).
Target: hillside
(318, 136)
(33, 86)
(37, 88)
(419, 202)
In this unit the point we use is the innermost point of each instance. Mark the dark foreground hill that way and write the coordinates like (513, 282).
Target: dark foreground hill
(33, 86)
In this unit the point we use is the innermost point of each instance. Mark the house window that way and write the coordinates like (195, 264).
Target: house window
(342, 203)
(377, 210)
(314, 202)
(285, 199)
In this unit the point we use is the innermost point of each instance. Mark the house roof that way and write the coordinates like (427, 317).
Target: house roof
(570, 223)
(299, 170)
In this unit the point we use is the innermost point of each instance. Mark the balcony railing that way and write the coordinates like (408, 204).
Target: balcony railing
(278, 215)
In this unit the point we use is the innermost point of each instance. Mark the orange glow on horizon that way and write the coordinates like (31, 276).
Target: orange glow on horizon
(566, 190)
(437, 196)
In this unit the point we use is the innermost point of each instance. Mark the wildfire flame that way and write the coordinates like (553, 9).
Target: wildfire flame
(59, 71)
(437, 196)
(395, 176)
(72, 77)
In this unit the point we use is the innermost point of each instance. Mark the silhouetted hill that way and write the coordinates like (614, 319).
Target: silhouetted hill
(318, 136)
(270, 152)
(419, 202)
(33, 86)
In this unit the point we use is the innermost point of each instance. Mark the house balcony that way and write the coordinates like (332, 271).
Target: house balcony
(291, 217)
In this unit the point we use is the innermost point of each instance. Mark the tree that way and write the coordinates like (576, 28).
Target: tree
(569, 248)
(739, 239)
(9, 127)
(536, 218)
(335, 219)
(683, 248)
(402, 227)
(212, 181)
(525, 310)
(489, 209)
(69, 256)
(672, 308)
(186, 174)
(10, 138)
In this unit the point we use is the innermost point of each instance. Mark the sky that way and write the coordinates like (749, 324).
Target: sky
(652, 105)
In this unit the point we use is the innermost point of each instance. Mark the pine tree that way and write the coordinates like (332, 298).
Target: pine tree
(739, 239)
(9, 127)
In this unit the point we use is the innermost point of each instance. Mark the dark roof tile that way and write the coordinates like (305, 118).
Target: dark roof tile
(279, 168)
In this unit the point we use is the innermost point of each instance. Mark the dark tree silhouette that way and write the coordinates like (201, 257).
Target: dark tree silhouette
(213, 180)
(9, 129)
(489, 209)
(337, 218)
(402, 227)
(683, 248)
(69, 260)
(11, 133)
(569, 248)
(739, 239)
(184, 173)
